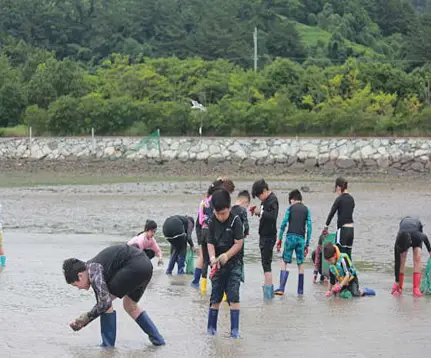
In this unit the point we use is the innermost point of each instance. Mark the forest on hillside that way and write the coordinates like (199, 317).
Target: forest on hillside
(345, 67)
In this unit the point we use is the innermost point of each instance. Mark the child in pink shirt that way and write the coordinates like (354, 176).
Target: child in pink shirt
(145, 240)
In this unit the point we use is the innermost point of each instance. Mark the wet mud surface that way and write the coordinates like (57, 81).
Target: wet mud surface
(45, 225)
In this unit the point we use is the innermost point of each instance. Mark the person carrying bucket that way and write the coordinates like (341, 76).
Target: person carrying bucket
(146, 241)
(119, 271)
(344, 206)
(344, 276)
(298, 217)
(410, 234)
(178, 231)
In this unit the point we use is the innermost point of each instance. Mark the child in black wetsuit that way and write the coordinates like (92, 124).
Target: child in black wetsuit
(344, 206)
(268, 213)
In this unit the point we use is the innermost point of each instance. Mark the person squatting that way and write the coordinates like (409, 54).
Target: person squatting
(119, 271)
(178, 231)
(410, 234)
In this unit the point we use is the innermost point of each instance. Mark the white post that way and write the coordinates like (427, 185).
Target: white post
(255, 48)
(93, 141)
(30, 138)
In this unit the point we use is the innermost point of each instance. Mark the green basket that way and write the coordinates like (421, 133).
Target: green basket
(426, 279)
(190, 262)
(325, 266)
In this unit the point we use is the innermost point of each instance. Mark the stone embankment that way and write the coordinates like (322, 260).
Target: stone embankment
(380, 154)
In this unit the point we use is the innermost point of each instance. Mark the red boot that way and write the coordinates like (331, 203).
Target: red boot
(416, 284)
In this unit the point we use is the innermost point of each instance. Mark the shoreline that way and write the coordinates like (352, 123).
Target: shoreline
(33, 172)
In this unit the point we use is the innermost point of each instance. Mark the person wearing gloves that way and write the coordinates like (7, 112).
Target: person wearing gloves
(344, 206)
(225, 240)
(2, 253)
(268, 213)
(298, 217)
(146, 241)
(344, 276)
(178, 231)
(410, 234)
(119, 271)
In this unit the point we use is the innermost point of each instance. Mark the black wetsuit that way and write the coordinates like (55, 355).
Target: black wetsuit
(344, 206)
(268, 230)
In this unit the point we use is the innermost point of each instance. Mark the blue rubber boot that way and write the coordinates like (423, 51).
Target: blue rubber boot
(149, 328)
(212, 321)
(268, 292)
(181, 264)
(368, 292)
(301, 284)
(3, 261)
(108, 329)
(283, 279)
(234, 323)
(197, 278)
(171, 265)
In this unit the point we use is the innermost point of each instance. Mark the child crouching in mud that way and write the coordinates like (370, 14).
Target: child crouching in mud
(146, 241)
(343, 271)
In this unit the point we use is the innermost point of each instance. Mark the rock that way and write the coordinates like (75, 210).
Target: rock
(310, 163)
(345, 163)
(110, 151)
(383, 163)
(367, 151)
(322, 159)
(420, 153)
(417, 167)
(259, 154)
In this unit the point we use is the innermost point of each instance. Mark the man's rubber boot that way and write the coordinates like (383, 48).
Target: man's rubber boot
(268, 292)
(171, 265)
(203, 285)
(301, 284)
(212, 321)
(234, 323)
(196, 278)
(417, 284)
(108, 329)
(368, 292)
(149, 328)
(283, 280)
(181, 264)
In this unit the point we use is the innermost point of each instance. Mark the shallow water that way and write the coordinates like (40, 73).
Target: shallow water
(36, 305)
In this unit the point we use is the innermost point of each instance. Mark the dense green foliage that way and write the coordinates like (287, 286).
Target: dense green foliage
(131, 66)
